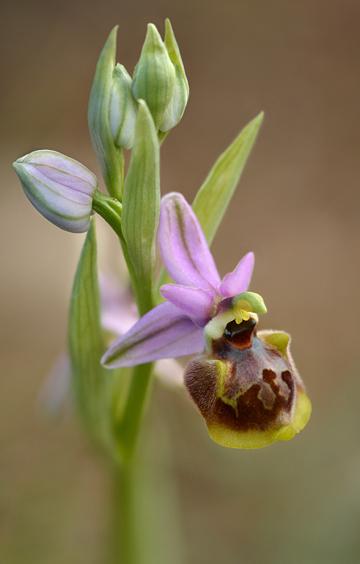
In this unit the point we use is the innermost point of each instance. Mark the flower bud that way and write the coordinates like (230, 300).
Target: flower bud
(179, 99)
(248, 389)
(122, 108)
(59, 187)
(154, 76)
(177, 104)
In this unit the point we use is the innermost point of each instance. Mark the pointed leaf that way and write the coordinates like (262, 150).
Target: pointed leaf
(141, 207)
(216, 192)
(90, 380)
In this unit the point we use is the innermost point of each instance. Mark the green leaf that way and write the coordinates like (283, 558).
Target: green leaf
(110, 158)
(91, 382)
(215, 194)
(141, 207)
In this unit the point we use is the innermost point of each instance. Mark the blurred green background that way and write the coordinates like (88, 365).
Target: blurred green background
(297, 208)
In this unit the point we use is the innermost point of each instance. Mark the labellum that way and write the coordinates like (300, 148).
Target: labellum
(247, 388)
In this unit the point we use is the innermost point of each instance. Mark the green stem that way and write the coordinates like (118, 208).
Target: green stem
(145, 500)
(129, 425)
(110, 210)
(125, 532)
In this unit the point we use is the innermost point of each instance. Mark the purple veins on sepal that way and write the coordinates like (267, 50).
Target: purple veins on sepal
(163, 332)
(59, 187)
(183, 246)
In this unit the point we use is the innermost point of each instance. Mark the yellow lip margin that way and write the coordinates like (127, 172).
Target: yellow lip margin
(258, 439)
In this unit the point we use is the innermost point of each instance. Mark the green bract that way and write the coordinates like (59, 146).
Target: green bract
(86, 344)
(108, 155)
(141, 206)
(215, 194)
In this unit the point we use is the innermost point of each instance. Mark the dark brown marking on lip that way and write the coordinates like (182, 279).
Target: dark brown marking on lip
(251, 413)
(258, 389)
(270, 377)
(232, 385)
(287, 378)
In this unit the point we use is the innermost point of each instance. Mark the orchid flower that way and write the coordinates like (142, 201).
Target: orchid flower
(176, 328)
(245, 385)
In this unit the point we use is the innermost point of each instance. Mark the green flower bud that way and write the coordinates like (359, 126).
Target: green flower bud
(177, 104)
(122, 108)
(248, 389)
(154, 76)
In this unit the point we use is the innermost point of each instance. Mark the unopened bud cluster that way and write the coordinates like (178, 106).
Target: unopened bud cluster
(62, 189)
(159, 79)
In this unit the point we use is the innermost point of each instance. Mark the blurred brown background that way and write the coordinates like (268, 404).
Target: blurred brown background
(297, 208)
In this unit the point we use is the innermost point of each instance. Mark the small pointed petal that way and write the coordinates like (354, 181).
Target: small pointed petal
(183, 247)
(195, 302)
(163, 332)
(237, 281)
